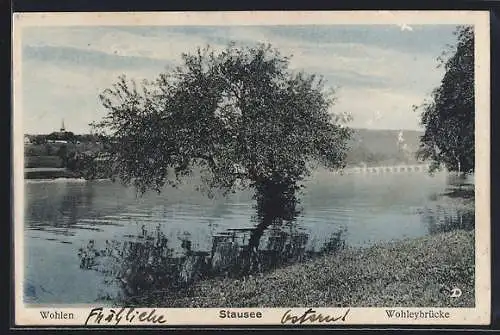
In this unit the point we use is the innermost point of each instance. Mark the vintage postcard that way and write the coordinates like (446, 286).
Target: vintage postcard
(251, 168)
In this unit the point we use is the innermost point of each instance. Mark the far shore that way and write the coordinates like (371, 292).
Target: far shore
(417, 272)
(49, 173)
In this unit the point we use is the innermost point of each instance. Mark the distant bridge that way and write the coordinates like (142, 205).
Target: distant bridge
(386, 169)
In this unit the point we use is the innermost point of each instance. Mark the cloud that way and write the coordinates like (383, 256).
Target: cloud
(349, 62)
(404, 27)
(114, 42)
(75, 56)
(150, 45)
(69, 67)
(379, 108)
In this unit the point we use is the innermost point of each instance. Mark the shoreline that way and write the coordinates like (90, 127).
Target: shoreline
(40, 173)
(48, 174)
(54, 174)
(418, 272)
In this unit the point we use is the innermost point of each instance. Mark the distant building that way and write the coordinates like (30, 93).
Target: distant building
(102, 157)
(401, 139)
(403, 146)
(27, 139)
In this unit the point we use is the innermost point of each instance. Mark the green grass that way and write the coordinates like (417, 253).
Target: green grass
(414, 272)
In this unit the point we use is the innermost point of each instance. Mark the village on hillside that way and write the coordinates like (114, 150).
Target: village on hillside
(55, 155)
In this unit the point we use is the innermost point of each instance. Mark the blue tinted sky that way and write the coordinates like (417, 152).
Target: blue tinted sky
(379, 71)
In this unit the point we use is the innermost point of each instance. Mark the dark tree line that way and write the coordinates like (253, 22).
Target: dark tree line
(448, 117)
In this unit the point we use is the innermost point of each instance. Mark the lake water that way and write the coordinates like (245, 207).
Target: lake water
(62, 216)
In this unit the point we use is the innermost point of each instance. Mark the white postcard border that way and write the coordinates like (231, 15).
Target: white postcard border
(480, 315)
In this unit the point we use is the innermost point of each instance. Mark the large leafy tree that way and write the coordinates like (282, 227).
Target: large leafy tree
(448, 117)
(240, 117)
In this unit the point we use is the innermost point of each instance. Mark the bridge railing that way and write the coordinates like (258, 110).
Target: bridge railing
(386, 169)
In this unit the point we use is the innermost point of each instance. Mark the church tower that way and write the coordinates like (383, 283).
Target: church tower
(63, 129)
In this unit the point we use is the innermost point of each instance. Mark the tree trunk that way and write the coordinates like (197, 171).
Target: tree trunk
(275, 203)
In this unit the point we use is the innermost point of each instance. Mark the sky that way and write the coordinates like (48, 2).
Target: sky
(378, 71)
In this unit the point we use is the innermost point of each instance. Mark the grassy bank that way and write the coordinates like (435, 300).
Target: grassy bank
(417, 272)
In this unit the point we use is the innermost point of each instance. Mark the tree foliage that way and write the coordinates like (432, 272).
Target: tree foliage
(448, 117)
(239, 116)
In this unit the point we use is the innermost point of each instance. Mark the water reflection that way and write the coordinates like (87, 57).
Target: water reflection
(60, 206)
(216, 237)
(452, 209)
(445, 222)
(146, 261)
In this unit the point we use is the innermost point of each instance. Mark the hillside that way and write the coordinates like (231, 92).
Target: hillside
(379, 147)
